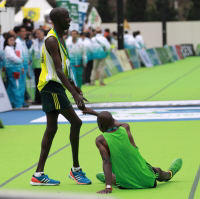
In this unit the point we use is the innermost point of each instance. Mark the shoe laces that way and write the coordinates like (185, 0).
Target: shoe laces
(82, 174)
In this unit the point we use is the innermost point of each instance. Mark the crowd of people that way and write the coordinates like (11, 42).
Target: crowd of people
(20, 49)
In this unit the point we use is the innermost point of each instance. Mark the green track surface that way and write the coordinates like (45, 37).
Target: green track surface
(144, 83)
(159, 143)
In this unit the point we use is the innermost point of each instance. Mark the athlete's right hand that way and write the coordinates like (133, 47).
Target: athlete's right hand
(79, 101)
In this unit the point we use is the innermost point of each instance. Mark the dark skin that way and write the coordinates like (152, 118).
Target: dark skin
(61, 20)
(105, 152)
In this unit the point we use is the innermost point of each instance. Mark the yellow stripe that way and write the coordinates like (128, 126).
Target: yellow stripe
(58, 102)
(54, 98)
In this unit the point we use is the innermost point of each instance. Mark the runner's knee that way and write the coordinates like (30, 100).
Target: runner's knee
(76, 123)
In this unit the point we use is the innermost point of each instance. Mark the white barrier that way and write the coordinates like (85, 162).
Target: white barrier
(4, 101)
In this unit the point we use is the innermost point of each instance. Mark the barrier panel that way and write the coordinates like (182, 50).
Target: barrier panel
(179, 51)
(174, 53)
(154, 56)
(163, 55)
(133, 57)
(123, 59)
(4, 100)
(187, 50)
(145, 58)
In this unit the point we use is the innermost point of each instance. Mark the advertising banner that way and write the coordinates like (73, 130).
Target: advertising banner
(154, 56)
(31, 13)
(179, 51)
(198, 50)
(133, 57)
(82, 10)
(187, 50)
(94, 19)
(123, 59)
(163, 55)
(174, 53)
(4, 101)
(170, 56)
(111, 69)
(116, 61)
(145, 57)
(72, 6)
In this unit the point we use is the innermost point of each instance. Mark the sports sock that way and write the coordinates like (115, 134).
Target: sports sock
(75, 169)
(38, 174)
(171, 175)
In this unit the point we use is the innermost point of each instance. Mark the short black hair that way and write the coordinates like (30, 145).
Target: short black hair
(82, 34)
(16, 29)
(114, 33)
(107, 30)
(126, 32)
(87, 34)
(20, 27)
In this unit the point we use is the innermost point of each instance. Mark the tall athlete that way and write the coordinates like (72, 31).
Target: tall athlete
(122, 163)
(54, 79)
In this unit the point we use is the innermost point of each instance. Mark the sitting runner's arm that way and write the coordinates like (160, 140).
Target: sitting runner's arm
(53, 49)
(104, 151)
(90, 112)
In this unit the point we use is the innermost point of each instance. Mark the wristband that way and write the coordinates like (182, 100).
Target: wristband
(109, 187)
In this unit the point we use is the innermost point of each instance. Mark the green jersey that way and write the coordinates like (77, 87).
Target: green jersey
(128, 165)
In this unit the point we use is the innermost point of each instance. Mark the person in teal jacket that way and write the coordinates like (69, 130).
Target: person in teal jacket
(14, 69)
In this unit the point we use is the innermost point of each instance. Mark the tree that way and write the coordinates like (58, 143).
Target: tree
(105, 11)
(135, 10)
(194, 12)
(155, 13)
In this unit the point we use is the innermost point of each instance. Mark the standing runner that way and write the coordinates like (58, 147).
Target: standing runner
(54, 79)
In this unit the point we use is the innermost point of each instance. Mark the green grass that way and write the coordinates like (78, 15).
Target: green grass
(159, 143)
(140, 84)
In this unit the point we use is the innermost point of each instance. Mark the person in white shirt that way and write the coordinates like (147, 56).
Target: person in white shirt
(130, 41)
(36, 51)
(140, 39)
(14, 69)
(89, 51)
(78, 58)
(101, 48)
(1, 51)
(22, 48)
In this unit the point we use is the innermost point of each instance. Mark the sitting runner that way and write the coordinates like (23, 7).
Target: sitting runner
(122, 163)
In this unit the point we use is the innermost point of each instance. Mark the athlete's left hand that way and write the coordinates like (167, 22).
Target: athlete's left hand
(79, 91)
(105, 191)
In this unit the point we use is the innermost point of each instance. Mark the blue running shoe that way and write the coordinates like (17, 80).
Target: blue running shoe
(43, 180)
(79, 177)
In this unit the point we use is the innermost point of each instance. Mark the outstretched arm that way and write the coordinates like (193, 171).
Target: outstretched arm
(105, 154)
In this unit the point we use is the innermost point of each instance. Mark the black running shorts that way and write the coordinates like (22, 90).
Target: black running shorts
(53, 97)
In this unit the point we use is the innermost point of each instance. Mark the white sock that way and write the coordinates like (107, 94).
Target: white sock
(38, 174)
(75, 169)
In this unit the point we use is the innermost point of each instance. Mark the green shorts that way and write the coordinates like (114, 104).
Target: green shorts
(53, 97)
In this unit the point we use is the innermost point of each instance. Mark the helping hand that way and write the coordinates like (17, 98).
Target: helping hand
(79, 101)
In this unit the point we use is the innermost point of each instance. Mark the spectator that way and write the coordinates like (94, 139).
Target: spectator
(93, 32)
(28, 24)
(101, 47)
(114, 40)
(140, 40)
(89, 51)
(14, 69)
(36, 51)
(130, 42)
(1, 51)
(107, 35)
(78, 58)
(12, 32)
(22, 48)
